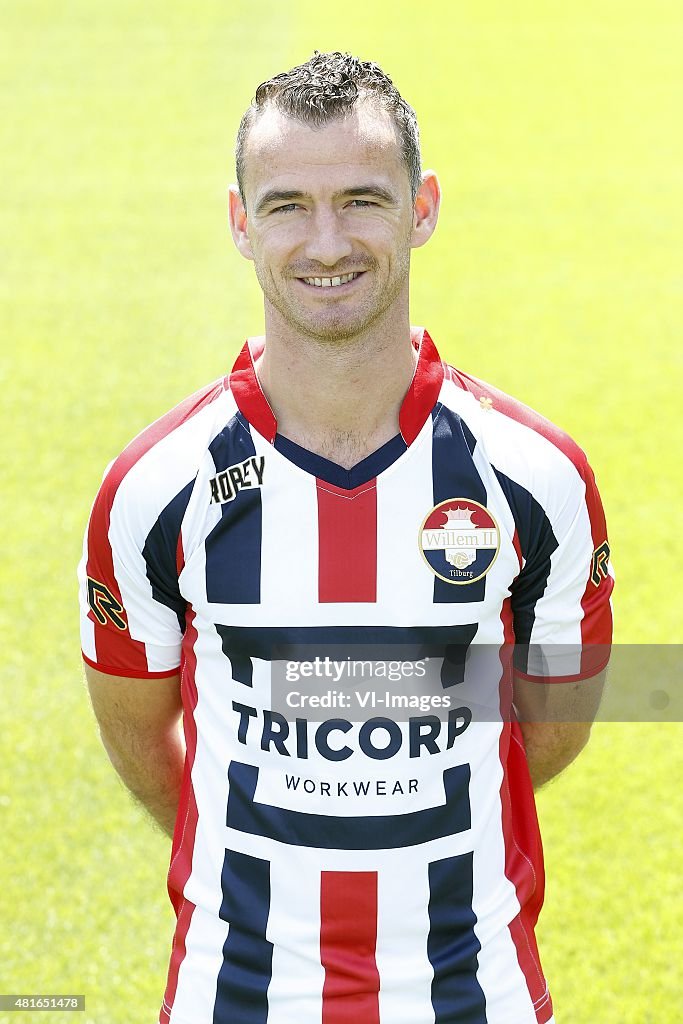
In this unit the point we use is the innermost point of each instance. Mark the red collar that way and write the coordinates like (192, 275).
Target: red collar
(417, 405)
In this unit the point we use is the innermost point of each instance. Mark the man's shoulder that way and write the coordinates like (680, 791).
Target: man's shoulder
(512, 421)
(174, 444)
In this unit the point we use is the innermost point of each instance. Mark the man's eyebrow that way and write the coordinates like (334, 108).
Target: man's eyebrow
(378, 191)
(287, 195)
(278, 195)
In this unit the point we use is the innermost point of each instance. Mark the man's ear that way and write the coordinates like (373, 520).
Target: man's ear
(238, 222)
(425, 209)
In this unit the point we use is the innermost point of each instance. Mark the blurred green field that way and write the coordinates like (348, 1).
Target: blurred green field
(556, 273)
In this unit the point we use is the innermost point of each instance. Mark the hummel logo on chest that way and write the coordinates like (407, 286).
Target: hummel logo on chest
(226, 485)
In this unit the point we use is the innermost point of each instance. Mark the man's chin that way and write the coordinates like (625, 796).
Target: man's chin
(332, 333)
(331, 328)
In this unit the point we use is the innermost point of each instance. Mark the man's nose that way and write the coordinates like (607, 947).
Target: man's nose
(327, 241)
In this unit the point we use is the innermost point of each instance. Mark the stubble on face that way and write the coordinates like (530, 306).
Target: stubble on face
(330, 324)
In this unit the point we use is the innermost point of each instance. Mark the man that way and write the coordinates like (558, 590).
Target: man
(342, 490)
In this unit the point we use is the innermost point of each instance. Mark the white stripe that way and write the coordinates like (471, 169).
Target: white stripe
(405, 972)
(494, 898)
(289, 535)
(295, 990)
(87, 626)
(355, 614)
(206, 935)
(405, 584)
(558, 613)
(196, 991)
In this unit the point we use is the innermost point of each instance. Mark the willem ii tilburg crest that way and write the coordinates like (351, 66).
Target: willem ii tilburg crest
(459, 540)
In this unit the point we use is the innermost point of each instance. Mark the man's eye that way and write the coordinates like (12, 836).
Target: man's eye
(285, 209)
(361, 202)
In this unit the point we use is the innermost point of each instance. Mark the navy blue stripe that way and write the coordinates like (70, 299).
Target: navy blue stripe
(455, 475)
(537, 542)
(268, 642)
(233, 548)
(452, 945)
(242, 665)
(368, 469)
(242, 986)
(377, 643)
(455, 657)
(327, 832)
(160, 553)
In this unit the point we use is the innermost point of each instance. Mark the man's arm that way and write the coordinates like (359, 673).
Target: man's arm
(139, 722)
(556, 720)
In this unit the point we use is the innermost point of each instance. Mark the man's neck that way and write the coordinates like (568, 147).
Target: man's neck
(341, 399)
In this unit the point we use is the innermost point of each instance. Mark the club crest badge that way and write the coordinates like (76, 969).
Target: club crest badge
(459, 540)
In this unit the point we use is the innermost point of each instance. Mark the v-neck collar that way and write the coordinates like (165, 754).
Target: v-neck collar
(418, 403)
(332, 473)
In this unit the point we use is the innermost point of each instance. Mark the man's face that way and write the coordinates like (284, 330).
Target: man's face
(323, 204)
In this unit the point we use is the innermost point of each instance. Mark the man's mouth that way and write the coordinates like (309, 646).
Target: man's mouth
(331, 282)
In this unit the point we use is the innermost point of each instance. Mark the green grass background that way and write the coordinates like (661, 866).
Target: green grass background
(556, 272)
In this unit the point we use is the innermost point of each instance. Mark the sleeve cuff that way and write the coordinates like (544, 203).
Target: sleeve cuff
(110, 670)
(594, 670)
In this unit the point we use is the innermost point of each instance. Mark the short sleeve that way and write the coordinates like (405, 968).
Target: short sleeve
(131, 610)
(561, 600)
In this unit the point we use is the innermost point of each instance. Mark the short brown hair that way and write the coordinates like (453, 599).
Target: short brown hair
(326, 87)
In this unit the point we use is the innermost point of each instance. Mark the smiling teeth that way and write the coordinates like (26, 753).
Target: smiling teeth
(330, 282)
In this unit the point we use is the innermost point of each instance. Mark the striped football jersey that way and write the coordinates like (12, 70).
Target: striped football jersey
(335, 859)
